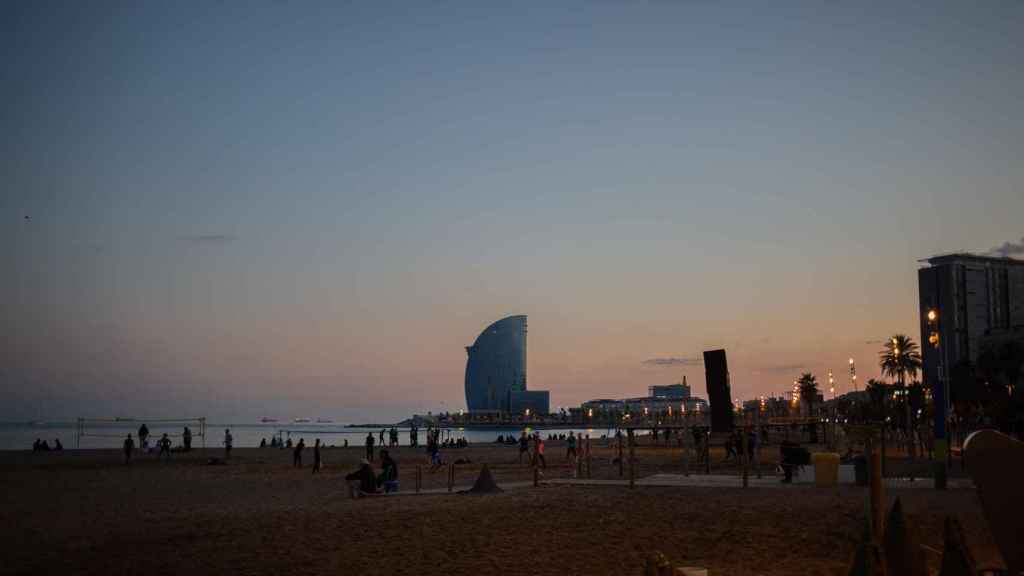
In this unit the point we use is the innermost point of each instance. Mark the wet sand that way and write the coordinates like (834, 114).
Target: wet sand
(86, 513)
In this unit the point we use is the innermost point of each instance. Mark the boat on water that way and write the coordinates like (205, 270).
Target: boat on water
(301, 420)
(266, 420)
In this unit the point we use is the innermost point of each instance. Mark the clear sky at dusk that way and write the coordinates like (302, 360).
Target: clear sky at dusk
(309, 209)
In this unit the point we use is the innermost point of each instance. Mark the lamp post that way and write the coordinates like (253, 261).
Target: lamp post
(853, 375)
(940, 403)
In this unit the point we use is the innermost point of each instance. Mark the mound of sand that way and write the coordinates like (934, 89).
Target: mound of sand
(485, 483)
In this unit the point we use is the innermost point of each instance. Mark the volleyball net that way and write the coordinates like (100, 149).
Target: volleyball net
(110, 428)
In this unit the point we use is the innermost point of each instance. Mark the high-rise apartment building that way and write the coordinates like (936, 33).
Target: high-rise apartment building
(965, 298)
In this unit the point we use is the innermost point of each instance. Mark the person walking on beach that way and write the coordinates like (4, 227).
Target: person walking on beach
(524, 446)
(381, 442)
(143, 436)
(129, 445)
(164, 444)
(570, 451)
(186, 439)
(369, 446)
(227, 443)
(297, 453)
(540, 452)
(316, 456)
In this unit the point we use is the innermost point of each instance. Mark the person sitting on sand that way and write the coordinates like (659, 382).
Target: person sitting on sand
(361, 481)
(297, 453)
(129, 445)
(435, 460)
(389, 472)
(164, 444)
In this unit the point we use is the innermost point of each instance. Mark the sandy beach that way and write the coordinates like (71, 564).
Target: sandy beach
(84, 512)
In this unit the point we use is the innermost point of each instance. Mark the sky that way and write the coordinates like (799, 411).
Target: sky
(302, 209)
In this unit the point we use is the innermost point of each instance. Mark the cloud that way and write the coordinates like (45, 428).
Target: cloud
(875, 341)
(674, 361)
(208, 238)
(784, 368)
(1008, 249)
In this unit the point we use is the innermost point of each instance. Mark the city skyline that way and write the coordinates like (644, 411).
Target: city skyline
(274, 210)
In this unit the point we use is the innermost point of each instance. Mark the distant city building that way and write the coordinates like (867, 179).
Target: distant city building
(536, 401)
(970, 298)
(679, 391)
(496, 371)
(654, 404)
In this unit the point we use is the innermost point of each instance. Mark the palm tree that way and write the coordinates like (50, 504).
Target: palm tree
(898, 358)
(808, 390)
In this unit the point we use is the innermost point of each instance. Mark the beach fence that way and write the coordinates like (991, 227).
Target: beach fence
(116, 427)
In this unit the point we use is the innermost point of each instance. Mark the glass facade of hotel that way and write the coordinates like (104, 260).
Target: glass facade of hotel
(496, 366)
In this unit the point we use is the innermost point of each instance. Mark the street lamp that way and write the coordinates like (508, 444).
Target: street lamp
(853, 375)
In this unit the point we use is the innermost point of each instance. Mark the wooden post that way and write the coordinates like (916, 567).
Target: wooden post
(746, 460)
(632, 455)
(419, 478)
(707, 452)
(882, 467)
(588, 458)
(451, 476)
(877, 496)
(620, 453)
(686, 451)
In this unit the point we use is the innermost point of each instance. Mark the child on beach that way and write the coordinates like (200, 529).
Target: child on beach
(129, 445)
(227, 443)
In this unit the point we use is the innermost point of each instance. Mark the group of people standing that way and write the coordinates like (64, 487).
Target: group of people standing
(163, 444)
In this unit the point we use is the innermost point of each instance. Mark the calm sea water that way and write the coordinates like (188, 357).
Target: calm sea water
(20, 436)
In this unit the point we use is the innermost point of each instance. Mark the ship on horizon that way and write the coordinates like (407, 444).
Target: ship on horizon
(266, 420)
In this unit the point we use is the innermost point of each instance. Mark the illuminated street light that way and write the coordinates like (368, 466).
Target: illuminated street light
(932, 315)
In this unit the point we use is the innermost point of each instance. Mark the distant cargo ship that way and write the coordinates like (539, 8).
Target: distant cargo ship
(301, 420)
(266, 420)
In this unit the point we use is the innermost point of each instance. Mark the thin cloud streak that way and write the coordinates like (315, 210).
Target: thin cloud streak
(674, 361)
(208, 238)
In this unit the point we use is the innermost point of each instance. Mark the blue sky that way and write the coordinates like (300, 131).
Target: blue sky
(307, 209)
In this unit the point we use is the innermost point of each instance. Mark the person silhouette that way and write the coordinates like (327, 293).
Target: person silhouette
(129, 445)
(297, 453)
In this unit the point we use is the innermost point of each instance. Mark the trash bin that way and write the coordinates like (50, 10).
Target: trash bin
(826, 469)
(860, 469)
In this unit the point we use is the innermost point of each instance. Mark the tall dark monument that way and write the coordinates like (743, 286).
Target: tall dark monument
(716, 372)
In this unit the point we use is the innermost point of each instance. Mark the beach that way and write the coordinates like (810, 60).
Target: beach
(84, 512)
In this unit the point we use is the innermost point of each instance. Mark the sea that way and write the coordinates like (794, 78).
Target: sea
(109, 434)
